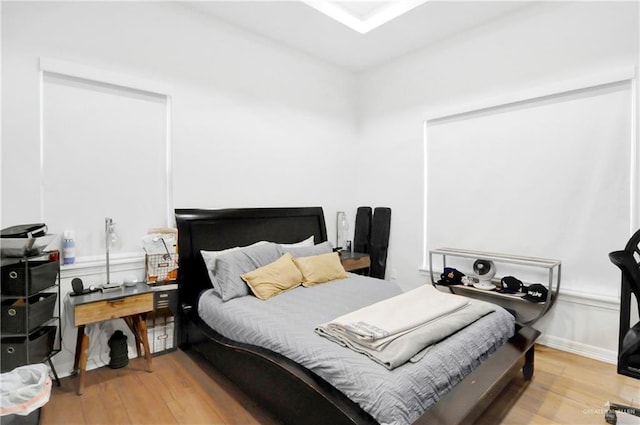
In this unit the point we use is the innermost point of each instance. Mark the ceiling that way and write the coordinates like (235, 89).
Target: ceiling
(302, 27)
(364, 16)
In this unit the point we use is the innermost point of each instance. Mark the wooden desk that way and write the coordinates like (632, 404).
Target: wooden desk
(128, 303)
(352, 261)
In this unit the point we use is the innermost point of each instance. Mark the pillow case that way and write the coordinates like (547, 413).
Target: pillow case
(307, 242)
(320, 268)
(231, 265)
(270, 280)
(209, 258)
(307, 251)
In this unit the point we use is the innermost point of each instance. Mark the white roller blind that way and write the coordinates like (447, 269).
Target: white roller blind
(104, 155)
(546, 178)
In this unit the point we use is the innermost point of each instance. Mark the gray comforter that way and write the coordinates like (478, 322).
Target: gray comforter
(285, 324)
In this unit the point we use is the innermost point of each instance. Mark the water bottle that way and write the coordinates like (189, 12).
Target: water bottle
(68, 247)
(342, 229)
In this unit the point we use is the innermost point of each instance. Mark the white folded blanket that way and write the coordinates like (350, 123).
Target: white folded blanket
(412, 345)
(376, 325)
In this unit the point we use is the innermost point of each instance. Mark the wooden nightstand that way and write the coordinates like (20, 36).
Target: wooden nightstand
(128, 303)
(352, 261)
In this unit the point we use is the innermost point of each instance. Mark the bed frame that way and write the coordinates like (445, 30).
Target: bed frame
(291, 392)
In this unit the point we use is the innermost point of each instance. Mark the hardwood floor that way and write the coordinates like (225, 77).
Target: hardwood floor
(182, 389)
(565, 389)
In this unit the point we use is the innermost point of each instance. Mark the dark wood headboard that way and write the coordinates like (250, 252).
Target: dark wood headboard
(214, 230)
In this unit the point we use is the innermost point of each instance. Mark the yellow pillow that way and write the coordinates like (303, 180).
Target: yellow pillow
(272, 279)
(320, 268)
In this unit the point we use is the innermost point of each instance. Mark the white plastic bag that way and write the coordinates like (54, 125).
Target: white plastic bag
(24, 389)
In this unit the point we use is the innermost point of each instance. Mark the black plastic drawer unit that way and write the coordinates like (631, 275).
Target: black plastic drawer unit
(21, 350)
(37, 310)
(32, 277)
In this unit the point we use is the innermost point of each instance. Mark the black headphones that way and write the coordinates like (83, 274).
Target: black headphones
(78, 288)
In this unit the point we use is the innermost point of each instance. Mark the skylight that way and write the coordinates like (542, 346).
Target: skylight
(363, 16)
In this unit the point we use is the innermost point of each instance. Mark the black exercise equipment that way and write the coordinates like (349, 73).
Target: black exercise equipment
(362, 231)
(379, 244)
(628, 261)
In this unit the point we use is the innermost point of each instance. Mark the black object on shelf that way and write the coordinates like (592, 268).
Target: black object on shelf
(33, 348)
(20, 316)
(34, 230)
(30, 330)
(28, 277)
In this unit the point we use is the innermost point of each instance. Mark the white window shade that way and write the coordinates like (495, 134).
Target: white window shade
(549, 177)
(104, 155)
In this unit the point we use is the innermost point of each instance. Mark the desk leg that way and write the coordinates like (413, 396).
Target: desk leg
(142, 328)
(82, 349)
(138, 326)
(78, 345)
(129, 320)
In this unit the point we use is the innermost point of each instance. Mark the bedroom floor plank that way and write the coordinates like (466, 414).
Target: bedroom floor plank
(63, 406)
(232, 404)
(566, 389)
(191, 408)
(183, 389)
(142, 405)
(185, 397)
(102, 401)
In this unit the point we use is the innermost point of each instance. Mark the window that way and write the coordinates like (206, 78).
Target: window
(548, 176)
(104, 154)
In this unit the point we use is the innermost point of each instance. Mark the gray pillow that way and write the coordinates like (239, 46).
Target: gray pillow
(230, 266)
(209, 258)
(307, 242)
(308, 251)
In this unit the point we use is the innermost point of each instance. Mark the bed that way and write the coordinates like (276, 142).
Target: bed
(295, 391)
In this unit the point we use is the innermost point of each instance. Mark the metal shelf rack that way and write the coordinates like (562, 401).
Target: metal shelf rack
(552, 266)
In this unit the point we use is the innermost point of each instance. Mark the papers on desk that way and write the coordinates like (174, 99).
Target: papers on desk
(159, 243)
(161, 261)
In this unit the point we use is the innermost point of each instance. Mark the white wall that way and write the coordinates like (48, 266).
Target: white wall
(536, 46)
(254, 123)
(236, 97)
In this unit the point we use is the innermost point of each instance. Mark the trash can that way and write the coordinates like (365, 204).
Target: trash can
(23, 391)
